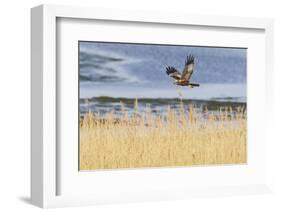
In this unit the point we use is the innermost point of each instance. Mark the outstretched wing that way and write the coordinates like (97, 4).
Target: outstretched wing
(188, 69)
(173, 73)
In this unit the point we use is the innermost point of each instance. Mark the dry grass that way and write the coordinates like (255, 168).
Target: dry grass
(176, 138)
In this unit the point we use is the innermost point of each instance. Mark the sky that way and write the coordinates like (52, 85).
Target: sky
(127, 63)
(128, 70)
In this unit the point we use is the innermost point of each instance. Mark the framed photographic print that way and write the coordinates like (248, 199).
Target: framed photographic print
(133, 116)
(130, 106)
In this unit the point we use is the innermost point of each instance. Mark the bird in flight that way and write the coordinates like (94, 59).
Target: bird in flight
(183, 79)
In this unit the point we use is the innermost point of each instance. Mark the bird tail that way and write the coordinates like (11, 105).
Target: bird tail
(194, 85)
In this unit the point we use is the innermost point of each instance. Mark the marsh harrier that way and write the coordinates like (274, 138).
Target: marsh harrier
(183, 79)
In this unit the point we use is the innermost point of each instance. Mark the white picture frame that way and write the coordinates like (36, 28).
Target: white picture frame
(45, 167)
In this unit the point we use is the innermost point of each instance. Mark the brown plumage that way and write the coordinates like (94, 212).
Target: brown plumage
(183, 79)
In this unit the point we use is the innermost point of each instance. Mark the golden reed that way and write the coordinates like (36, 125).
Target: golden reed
(175, 138)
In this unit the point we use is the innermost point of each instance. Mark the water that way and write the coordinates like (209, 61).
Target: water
(111, 72)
